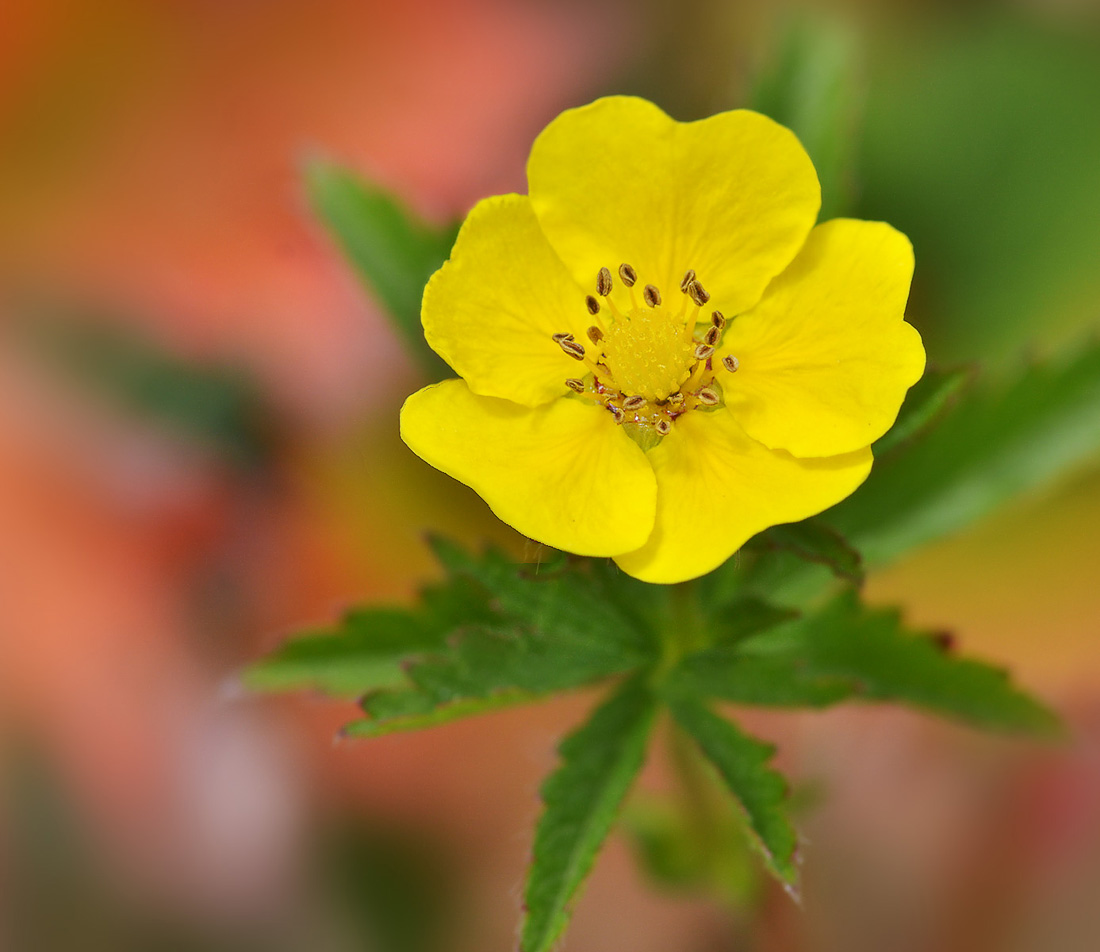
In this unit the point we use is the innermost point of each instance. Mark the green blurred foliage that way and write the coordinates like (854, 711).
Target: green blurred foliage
(982, 143)
(813, 84)
(681, 851)
(998, 442)
(212, 405)
(392, 250)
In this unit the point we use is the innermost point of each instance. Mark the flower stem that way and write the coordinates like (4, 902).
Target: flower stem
(684, 631)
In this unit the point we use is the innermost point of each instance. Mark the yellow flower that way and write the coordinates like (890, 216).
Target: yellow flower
(661, 354)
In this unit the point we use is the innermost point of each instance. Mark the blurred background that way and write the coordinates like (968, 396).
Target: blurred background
(199, 454)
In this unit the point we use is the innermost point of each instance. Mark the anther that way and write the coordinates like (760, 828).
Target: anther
(708, 397)
(664, 427)
(575, 385)
(558, 338)
(702, 351)
(731, 363)
(628, 274)
(698, 293)
(711, 336)
(676, 399)
(594, 334)
(572, 348)
(634, 403)
(603, 282)
(689, 277)
(616, 413)
(651, 295)
(718, 319)
(592, 304)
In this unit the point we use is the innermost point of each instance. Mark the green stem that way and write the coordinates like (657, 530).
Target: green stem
(684, 631)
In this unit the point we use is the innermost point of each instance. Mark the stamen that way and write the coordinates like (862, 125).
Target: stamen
(689, 325)
(663, 371)
(572, 348)
(695, 378)
(596, 369)
(615, 312)
(698, 293)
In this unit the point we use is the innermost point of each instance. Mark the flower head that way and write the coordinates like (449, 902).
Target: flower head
(660, 353)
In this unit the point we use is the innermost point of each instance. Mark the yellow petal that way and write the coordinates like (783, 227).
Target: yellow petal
(825, 357)
(491, 310)
(563, 474)
(717, 487)
(732, 196)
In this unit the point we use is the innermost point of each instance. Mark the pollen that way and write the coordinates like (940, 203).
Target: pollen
(647, 366)
(647, 354)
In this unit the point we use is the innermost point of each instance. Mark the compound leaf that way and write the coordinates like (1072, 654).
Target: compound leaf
(599, 763)
(742, 762)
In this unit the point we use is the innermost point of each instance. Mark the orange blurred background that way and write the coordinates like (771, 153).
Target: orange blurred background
(150, 177)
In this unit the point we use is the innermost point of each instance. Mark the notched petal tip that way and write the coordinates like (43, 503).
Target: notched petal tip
(734, 187)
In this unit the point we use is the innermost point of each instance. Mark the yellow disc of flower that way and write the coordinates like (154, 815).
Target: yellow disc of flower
(660, 354)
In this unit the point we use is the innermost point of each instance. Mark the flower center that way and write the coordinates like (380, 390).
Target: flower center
(647, 363)
(647, 354)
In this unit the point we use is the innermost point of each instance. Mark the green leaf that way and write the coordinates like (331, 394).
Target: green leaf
(849, 651)
(589, 603)
(393, 712)
(599, 763)
(812, 85)
(393, 251)
(731, 674)
(925, 402)
(781, 576)
(743, 618)
(1001, 441)
(493, 632)
(813, 541)
(551, 628)
(485, 668)
(357, 655)
(743, 763)
(370, 646)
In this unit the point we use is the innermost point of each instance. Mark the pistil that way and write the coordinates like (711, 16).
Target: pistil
(646, 366)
